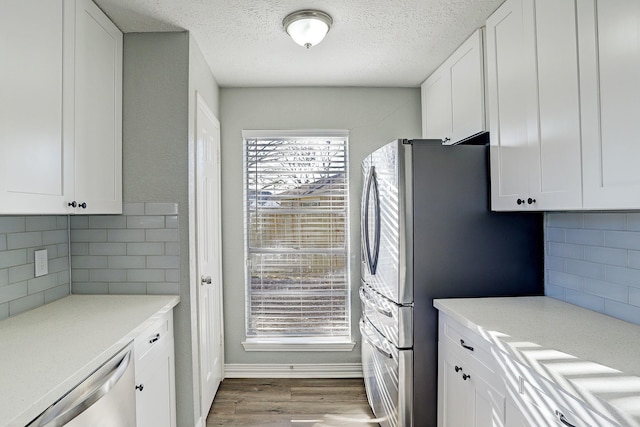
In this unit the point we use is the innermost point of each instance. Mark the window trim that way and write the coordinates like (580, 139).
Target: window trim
(310, 344)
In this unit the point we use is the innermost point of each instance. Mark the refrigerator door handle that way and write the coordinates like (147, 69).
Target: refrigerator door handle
(369, 341)
(370, 301)
(371, 186)
(364, 223)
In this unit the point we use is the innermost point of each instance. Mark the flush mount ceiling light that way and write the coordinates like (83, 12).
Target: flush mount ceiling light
(307, 27)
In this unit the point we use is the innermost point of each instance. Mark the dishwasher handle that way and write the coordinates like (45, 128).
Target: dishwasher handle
(73, 404)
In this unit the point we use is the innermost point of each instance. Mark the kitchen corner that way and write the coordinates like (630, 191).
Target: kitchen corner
(49, 350)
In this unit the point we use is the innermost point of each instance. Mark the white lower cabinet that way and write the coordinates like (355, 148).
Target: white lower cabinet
(468, 394)
(155, 375)
(479, 385)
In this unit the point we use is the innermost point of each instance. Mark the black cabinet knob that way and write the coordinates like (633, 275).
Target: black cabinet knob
(465, 376)
(72, 204)
(531, 201)
(520, 201)
(140, 387)
(83, 205)
(458, 368)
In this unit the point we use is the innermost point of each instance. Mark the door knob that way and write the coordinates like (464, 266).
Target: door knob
(205, 280)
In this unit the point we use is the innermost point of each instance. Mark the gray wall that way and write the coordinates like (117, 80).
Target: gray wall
(20, 236)
(162, 71)
(592, 259)
(374, 116)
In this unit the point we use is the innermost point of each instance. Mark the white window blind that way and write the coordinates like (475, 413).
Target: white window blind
(296, 235)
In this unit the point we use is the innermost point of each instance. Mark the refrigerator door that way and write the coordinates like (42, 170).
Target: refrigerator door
(388, 378)
(384, 226)
(393, 321)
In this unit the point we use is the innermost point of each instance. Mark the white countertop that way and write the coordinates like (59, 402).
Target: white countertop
(45, 352)
(541, 331)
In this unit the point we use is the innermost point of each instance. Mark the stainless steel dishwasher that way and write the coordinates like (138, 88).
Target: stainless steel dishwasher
(105, 399)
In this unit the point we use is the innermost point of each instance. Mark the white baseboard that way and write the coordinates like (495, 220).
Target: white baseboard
(322, 370)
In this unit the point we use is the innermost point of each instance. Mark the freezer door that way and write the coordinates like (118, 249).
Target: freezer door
(385, 209)
(393, 321)
(388, 378)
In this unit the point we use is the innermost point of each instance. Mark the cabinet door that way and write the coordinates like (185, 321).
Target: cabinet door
(466, 69)
(509, 73)
(98, 108)
(465, 398)
(155, 379)
(436, 105)
(555, 163)
(609, 35)
(34, 146)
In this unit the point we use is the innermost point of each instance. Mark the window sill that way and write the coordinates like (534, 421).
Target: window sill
(297, 344)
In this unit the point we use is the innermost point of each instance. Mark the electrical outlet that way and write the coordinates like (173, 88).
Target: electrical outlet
(42, 262)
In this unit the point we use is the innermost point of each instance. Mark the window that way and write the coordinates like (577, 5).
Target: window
(296, 238)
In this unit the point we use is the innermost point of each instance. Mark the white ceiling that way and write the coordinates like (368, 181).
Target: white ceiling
(394, 43)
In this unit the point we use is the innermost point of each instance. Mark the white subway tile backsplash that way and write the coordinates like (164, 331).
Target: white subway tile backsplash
(125, 236)
(90, 288)
(55, 237)
(13, 258)
(4, 277)
(86, 235)
(107, 221)
(42, 283)
(582, 299)
(566, 250)
(24, 240)
(601, 259)
(4, 310)
(146, 249)
(41, 223)
(564, 220)
(627, 312)
(21, 273)
(585, 237)
(139, 251)
(56, 293)
(102, 248)
(604, 220)
(145, 222)
(610, 256)
(3, 242)
(161, 209)
(127, 261)
(164, 235)
(12, 224)
(13, 292)
(622, 239)
(585, 269)
(27, 303)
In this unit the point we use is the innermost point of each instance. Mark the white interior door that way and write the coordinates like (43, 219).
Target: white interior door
(209, 256)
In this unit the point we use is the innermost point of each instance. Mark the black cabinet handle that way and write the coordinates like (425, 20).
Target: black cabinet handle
(155, 338)
(140, 387)
(82, 205)
(531, 201)
(72, 204)
(468, 347)
(520, 201)
(465, 376)
(458, 368)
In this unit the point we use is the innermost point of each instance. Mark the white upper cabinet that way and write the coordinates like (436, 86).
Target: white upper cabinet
(98, 105)
(534, 111)
(33, 148)
(60, 109)
(609, 35)
(453, 96)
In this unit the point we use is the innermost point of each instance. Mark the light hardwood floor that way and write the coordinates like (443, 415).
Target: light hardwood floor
(291, 403)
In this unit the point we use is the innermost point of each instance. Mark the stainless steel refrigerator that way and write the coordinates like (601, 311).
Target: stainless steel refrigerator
(428, 232)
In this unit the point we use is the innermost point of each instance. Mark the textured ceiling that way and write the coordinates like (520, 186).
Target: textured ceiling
(372, 42)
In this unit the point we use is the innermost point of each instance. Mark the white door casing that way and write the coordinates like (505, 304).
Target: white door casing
(209, 261)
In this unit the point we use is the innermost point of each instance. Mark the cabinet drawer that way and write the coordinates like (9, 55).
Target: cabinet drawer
(156, 335)
(466, 342)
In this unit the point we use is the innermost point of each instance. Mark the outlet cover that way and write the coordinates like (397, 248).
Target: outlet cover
(42, 262)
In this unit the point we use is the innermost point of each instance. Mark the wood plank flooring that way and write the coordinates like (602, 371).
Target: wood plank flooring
(287, 402)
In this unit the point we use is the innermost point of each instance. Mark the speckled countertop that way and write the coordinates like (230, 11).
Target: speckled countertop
(540, 331)
(45, 352)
